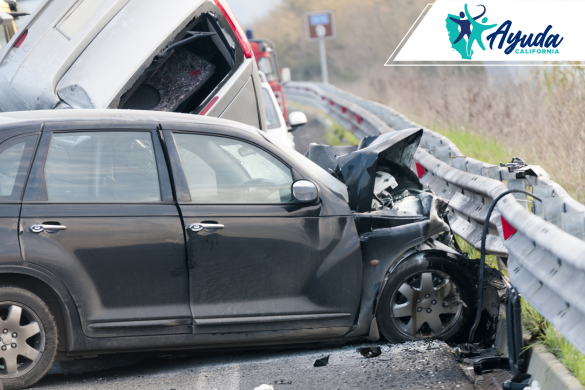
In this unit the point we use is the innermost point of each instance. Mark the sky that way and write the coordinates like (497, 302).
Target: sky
(248, 11)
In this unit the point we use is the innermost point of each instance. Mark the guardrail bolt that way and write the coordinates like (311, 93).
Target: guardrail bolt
(4, 348)
(429, 311)
(418, 300)
(13, 345)
(14, 335)
(419, 309)
(428, 296)
(434, 302)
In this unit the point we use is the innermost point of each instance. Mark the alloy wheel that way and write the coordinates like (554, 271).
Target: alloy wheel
(426, 304)
(21, 339)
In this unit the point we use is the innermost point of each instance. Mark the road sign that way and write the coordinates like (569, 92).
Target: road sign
(320, 25)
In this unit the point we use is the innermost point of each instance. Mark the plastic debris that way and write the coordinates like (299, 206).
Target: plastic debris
(322, 362)
(264, 387)
(534, 386)
(370, 352)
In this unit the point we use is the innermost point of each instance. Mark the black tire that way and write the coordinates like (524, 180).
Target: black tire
(29, 370)
(438, 316)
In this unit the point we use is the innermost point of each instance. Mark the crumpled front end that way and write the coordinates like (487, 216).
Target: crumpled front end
(398, 222)
(383, 191)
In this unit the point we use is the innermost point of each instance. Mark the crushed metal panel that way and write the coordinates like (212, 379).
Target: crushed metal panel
(126, 46)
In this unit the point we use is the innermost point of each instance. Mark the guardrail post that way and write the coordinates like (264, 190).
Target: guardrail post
(443, 154)
(542, 192)
(553, 210)
(459, 162)
(574, 224)
(491, 171)
(474, 168)
(518, 184)
(433, 144)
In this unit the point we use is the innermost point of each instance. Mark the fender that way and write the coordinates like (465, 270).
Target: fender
(375, 246)
(71, 320)
(378, 245)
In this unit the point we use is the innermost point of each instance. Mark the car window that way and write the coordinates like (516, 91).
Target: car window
(272, 121)
(265, 66)
(225, 170)
(15, 156)
(102, 167)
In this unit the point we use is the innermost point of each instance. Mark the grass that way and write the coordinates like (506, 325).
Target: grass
(336, 135)
(544, 333)
(478, 146)
(473, 253)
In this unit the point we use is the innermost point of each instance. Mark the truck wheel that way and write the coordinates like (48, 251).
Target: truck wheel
(427, 298)
(28, 338)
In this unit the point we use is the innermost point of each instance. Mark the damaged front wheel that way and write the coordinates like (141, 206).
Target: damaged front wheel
(425, 298)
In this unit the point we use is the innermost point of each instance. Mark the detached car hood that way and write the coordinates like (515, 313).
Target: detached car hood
(359, 166)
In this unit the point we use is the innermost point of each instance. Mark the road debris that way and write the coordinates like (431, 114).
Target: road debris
(370, 352)
(264, 387)
(322, 362)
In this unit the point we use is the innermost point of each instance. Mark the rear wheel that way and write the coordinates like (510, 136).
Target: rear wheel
(28, 338)
(429, 298)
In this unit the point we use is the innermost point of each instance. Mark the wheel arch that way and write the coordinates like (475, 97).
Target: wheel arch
(50, 289)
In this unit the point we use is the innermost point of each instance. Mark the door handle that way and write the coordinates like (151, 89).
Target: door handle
(38, 228)
(208, 227)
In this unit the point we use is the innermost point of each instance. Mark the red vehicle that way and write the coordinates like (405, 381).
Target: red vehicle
(267, 63)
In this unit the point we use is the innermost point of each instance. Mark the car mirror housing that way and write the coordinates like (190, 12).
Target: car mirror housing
(296, 120)
(305, 191)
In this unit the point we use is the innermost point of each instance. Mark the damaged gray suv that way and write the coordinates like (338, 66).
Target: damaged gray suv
(188, 56)
(129, 231)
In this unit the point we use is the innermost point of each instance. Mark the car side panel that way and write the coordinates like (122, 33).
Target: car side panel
(244, 108)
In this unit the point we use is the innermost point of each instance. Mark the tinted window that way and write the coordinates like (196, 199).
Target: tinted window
(102, 167)
(272, 121)
(15, 156)
(224, 170)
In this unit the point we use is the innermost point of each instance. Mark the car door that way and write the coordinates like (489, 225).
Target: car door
(16, 152)
(98, 212)
(259, 261)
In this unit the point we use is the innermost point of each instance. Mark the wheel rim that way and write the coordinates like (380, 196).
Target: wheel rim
(426, 304)
(21, 339)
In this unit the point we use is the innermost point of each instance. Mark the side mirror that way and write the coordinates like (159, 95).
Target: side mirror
(296, 120)
(305, 191)
(285, 75)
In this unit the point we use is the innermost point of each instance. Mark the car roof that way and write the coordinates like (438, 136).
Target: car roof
(122, 117)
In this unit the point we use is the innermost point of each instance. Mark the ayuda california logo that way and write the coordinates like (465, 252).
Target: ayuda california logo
(465, 30)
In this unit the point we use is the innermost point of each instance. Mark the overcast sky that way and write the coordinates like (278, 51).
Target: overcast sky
(248, 11)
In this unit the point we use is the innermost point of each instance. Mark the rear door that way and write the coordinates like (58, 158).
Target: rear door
(98, 213)
(258, 261)
(16, 151)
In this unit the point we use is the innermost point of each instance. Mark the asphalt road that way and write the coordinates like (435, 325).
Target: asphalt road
(417, 365)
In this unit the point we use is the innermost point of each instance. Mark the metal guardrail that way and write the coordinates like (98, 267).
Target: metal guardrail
(544, 245)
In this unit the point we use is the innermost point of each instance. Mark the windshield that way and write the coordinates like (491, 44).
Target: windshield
(272, 120)
(322, 175)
